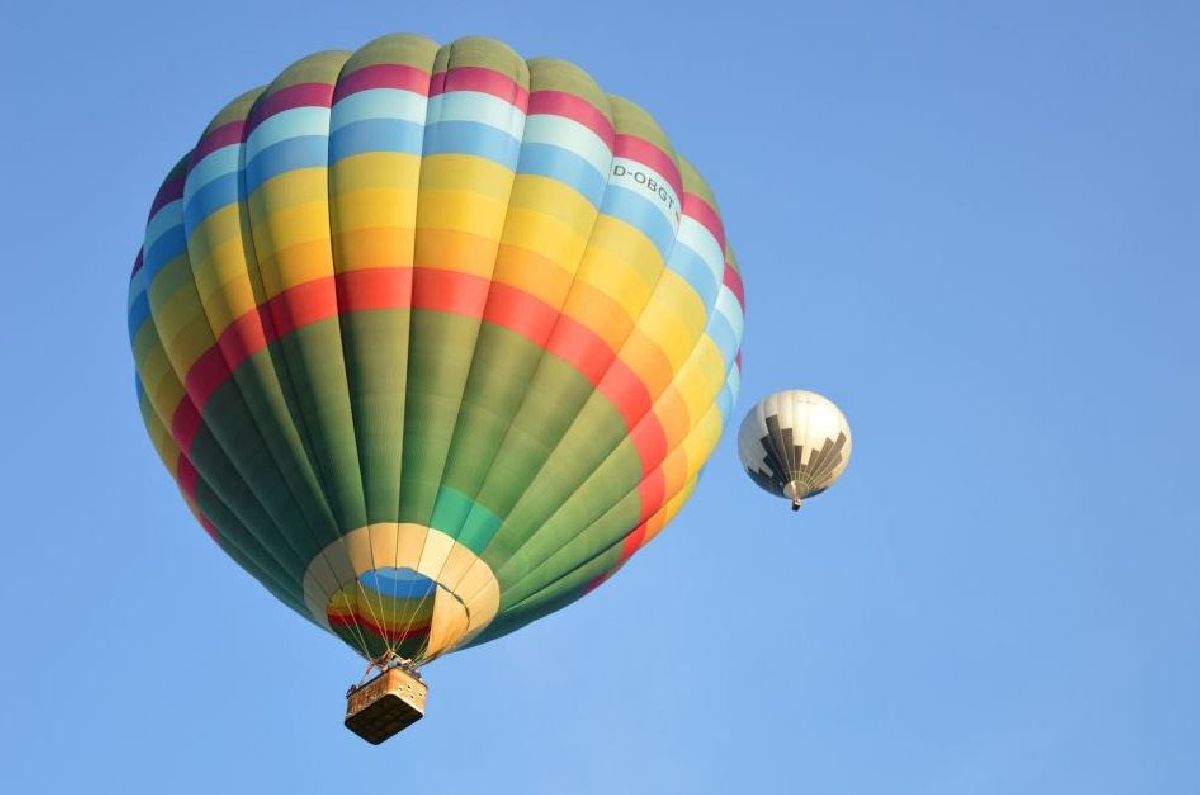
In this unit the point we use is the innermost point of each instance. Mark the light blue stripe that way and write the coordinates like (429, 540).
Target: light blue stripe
(305, 151)
(169, 245)
(220, 192)
(472, 138)
(299, 122)
(395, 104)
(726, 340)
(725, 401)
(696, 272)
(728, 306)
(565, 166)
(138, 314)
(570, 135)
(634, 209)
(137, 285)
(167, 216)
(397, 583)
(476, 107)
(214, 165)
(376, 135)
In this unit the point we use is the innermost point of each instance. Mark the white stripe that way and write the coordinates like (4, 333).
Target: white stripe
(696, 236)
(215, 165)
(645, 181)
(379, 103)
(570, 135)
(169, 215)
(288, 124)
(477, 107)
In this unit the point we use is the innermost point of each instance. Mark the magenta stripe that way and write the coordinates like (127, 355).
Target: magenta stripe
(646, 153)
(301, 95)
(230, 133)
(171, 190)
(703, 213)
(485, 81)
(383, 75)
(575, 108)
(733, 280)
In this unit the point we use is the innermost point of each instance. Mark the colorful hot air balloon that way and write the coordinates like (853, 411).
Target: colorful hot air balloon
(433, 338)
(794, 444)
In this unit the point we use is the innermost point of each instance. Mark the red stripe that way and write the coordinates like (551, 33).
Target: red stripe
(706, 215)
(627, 392)
(206, 374)
(519, 311)
(651, 493)
(375, 288)
(355, 618)
(186, 476)
(383, 75)
(435, 290)
(185, 422)
(300, 95)
(485, 81)
(209, 527)
(733, 280)
(646, 153)
(581, 347)
(449, 291)
(233, 132)
(570, 106)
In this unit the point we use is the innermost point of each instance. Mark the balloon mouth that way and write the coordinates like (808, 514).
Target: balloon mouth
(402, 588)
(792, 492)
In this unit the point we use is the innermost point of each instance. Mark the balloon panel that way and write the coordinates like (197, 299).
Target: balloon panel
(433, 338)
(794, 437)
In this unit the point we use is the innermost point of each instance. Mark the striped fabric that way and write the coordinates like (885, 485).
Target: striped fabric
(433, 338)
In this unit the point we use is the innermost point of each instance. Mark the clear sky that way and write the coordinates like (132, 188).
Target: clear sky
(974, 226)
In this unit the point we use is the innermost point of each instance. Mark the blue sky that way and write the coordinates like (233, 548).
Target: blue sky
(975, 226)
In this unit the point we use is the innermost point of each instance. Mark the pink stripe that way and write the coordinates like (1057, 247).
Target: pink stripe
(733, 280)
(382, 75)
(646, 153)
(560, 103)
(185, 423)
(171, 190)
(225, 135)
(301, 95)
(209, 527)
(186, 476)
(485, 81)
(703, 213)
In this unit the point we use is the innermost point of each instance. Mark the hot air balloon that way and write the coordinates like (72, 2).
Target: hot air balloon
(433, 339)
(794, 444)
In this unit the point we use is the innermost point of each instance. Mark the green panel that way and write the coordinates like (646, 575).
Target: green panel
(439, 359)
(551, 403)
(598, 429)
(566, 590)
(376, 355)
(239, 544)
(313, 375)
(258, 383)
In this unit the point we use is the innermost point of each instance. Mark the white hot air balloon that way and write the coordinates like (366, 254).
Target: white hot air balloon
(794, 444)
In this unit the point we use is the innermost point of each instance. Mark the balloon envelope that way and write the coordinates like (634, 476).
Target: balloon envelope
(794, 444)
(433, 338)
